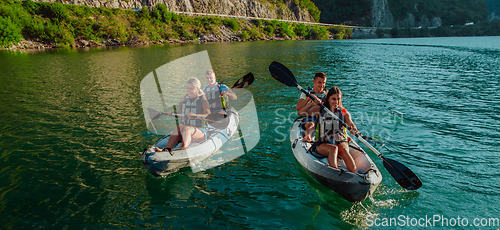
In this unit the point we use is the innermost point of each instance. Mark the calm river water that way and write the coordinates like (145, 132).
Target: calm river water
(72, 130)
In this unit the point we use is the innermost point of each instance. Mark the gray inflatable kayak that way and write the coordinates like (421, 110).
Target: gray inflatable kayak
(354, 187)
(161, 164)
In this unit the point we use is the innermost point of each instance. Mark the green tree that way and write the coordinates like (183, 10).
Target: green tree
(301, 30)
(10, 33)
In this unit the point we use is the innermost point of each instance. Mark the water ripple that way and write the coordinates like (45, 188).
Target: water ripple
(72, 130)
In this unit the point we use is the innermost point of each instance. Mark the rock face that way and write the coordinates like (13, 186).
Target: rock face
(382, 17)
(248, 8)
(364, 33)
(493, 16)
(381, 14)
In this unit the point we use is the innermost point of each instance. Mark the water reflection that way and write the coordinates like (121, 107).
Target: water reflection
(72, 130)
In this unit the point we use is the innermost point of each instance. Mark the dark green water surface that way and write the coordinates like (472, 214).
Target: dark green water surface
(72, 130)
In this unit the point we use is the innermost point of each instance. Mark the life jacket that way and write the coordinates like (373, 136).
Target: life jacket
(214, 99)
(321, 95)
(195, 107)
(329, 129)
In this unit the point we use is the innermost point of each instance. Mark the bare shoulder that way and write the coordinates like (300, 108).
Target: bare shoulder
(346, 113)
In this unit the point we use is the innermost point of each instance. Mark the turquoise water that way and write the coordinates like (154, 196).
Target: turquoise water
(72, 132)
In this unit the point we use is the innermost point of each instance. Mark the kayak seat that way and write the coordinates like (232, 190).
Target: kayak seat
(317, 155)
(312, 150)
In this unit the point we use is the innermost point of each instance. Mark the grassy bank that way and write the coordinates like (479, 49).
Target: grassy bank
(62, 25)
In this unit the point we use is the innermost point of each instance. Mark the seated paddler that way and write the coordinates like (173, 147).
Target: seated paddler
(318, 91)
(331, 135)
(191, 128)
(217, 94)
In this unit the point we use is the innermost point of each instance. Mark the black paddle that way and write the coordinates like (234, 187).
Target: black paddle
(244, 81)
(403, 175)
(244, 96)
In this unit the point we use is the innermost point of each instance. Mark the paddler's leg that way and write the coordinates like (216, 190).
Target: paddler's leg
(309, 129)
(329, 150)
(191, 134)
(343, 149)
(175, 137)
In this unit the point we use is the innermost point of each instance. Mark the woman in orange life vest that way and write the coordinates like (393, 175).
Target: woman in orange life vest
(331, 137)
(190, 129)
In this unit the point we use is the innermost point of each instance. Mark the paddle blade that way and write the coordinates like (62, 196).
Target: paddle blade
(154, 114)
(282, 74)
(403, 175)
(244, 81)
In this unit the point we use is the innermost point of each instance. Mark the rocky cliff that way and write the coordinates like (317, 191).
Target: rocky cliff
(381, 14)
(382, 17)
(250, 8)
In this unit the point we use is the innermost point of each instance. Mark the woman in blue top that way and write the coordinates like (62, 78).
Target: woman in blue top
(331, 137)
(190, 129)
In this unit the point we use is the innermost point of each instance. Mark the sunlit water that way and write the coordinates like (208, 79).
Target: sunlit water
(72, 131)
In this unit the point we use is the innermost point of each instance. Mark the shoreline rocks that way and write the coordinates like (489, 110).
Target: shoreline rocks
(224, 35)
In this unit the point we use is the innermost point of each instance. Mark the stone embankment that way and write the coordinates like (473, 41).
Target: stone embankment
(224, 35)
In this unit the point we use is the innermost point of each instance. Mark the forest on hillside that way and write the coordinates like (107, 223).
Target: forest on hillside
(451, 12)
(493, 6)
(351, 12)
(68, 25)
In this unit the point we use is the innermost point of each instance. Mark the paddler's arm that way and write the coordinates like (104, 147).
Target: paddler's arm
(302, 101)
(310, 109)
(226, 91)
(230, 94)
(350, 123)
(305, 100)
